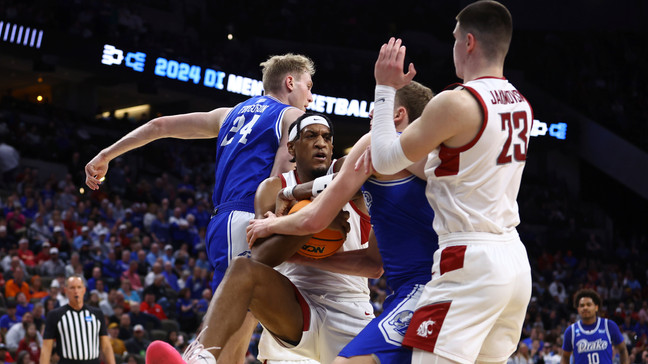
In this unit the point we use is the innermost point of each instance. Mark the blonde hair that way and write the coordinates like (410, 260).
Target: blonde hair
(276, 68)
(413, 98)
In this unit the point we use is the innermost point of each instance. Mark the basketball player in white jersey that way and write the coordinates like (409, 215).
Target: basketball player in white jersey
(402, 222)
(475, 137)
(315, 312)
(252, 147)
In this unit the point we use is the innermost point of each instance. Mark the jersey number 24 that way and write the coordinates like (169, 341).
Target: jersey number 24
(242, 128)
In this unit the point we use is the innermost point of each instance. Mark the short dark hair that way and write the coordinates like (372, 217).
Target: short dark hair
(586, 292)
(491, 24)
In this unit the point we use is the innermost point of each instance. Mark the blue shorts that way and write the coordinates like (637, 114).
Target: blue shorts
(383, 336)
(226, 240)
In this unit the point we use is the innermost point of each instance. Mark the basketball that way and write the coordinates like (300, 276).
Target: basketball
(321, 245)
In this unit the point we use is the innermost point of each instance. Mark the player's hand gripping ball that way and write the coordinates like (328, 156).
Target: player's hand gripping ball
(321, 245)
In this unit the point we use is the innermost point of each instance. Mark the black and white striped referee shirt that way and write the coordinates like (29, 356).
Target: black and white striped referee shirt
(76, 333)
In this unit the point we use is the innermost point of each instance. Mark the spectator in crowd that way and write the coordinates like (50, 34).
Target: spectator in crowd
(124, 262)
(149, 306)
(117, 344)
(11, 260)
(54, 266)
(39, 316)
(168, 257)
(154, 254)
(73, 262)
(186, 311)
(83, 238)
(17, 284)
(203, 302)
(175, 340)
(521, 356)
(125, 328)
(5, 239)
(36, 287)
(170, 276)
(96, 275)
(56, 294)
(139, 317)
(138, 343)
(22, 305)
(128, 293)
(551, 354)
(111, 269)
(44, 254)
(5, 357)
(9, 319)
(38, 230)
(197, 283)
(156, 269)
(160, 229)
(18, 331)
(133, 277)
(30, 343)
(25, 254)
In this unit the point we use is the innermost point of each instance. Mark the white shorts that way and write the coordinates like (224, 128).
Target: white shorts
(332, 324)
(475, 304)
(271, 352)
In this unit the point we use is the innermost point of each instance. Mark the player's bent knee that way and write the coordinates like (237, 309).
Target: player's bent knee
(245, 268)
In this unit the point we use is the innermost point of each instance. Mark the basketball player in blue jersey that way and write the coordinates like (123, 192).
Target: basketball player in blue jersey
(402, 223)
(251, 145)
(591, 338)
(314, 312)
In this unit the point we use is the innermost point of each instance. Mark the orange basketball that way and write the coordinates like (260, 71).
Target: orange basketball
(321, 245)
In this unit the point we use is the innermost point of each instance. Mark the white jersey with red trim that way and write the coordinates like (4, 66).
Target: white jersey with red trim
(474, 188)
(321, 282)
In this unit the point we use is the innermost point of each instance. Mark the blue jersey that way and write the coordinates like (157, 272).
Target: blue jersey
(245, 152)
(592, 344)
(402, 221)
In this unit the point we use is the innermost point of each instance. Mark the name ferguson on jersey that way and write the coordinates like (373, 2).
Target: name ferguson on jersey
(505, 97)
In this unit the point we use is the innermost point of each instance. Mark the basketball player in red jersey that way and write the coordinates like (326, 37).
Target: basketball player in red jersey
(475, 138)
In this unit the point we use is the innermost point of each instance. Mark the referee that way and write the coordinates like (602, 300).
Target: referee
(79, 330)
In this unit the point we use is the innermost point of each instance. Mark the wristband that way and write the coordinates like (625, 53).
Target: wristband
(288, 192)
(320, 183)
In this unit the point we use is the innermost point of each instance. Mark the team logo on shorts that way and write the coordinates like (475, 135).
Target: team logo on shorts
(246, 253)
(401, 321)
(426, 328)
(368, 199)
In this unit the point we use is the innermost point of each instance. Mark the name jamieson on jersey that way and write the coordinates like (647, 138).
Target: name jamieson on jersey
(505, 97)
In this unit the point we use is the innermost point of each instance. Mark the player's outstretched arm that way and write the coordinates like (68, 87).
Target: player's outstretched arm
(199, 125)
